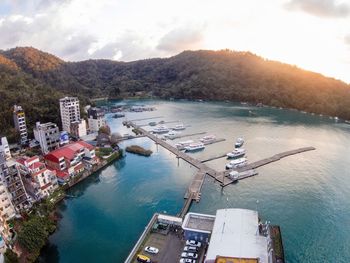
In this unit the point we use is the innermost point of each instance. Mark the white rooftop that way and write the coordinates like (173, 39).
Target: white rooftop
(235, 234)
(198, 222)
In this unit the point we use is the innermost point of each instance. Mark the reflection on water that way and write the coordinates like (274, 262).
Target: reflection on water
(308, 194)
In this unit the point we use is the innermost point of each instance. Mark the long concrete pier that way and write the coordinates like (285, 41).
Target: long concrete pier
(193, 192)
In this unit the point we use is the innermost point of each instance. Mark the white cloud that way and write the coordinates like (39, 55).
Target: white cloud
(347, 40)
(182, 38)
(321, 8)
(137, 29)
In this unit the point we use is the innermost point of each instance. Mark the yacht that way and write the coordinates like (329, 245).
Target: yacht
(171, 134)
(236, 153)
(160, 129)
(152, 123)
(208, 139)
(119, 115)
(179, 127)
(194, 147)
(183, 144)
(239, 142)
(234, 175)
(237, 163)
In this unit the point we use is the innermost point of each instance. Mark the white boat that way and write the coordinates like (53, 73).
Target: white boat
(171, 134)
(239, 142)
(160, 129)
(234, 175)
(236, 153)
(179, 127)
(182, 145)
(195, 147)
(208, 139)
(237, 163)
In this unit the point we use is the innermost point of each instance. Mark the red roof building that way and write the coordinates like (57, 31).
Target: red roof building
(71, 159)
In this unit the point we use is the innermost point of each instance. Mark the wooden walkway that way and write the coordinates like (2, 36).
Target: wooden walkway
(214, 158)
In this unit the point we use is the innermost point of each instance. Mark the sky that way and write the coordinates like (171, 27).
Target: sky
(312, 34)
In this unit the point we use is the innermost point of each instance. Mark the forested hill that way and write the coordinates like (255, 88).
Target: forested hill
(36, 80)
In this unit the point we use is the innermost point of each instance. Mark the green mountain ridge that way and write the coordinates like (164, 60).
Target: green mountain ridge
(36, 80)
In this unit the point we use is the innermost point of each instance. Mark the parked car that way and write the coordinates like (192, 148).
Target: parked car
(187, 260)
(190, 249)
(143, 259)
(189, 255)
(193, 243)
(152, 250)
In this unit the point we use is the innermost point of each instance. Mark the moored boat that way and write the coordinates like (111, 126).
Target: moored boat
(208, 139)
(194, 147)
(152, 123)
(234, 175)
(239, 142)
(183, 144)
(237, 163)
(160, 129)
(179, 127)
(171, 134)
(119, 115)
(236, 153)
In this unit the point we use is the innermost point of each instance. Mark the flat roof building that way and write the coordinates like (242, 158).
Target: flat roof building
(48, 136)
(236, 238)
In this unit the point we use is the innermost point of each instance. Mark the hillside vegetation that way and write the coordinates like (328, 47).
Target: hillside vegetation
(36, 80)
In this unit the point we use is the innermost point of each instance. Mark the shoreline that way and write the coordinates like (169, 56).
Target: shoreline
(67, 186)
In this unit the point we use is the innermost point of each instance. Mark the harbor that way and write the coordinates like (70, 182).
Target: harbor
(193, 192)
(157, 184)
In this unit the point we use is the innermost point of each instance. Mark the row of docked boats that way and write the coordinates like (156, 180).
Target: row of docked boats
(238, 155)
(164, 129)
(191, 146)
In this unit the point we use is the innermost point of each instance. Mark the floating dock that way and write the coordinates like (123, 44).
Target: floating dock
(274, 158)
(187, 135)
(193, 192)
(214, 158)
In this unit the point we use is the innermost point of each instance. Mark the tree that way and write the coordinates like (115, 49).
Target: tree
(10, 256)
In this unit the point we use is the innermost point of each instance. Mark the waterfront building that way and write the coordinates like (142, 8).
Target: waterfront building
(19, 120)
(11, 179)
(7, 210)
(70, 112)
(48, 136)
(39, 181)
(78, 128)
(71, 160)
(237, 235)
(4, 148)
(96, 119)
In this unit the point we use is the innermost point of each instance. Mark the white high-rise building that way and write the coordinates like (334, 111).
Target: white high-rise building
(70, 112)
(19, 119)
(48, 136)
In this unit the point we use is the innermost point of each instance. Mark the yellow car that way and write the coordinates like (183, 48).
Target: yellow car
(142, 258)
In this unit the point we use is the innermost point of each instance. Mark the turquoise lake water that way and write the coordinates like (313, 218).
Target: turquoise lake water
(308, 194)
